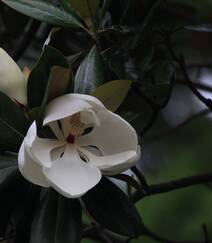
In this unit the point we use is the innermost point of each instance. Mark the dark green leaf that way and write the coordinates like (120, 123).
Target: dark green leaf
(57, 220)
(66, 5)
(86, 8)
(200, 28)
(39, 76)
(8, 168)
(123, 65)
(7, 161)
(129, 116)
(13, 189)
(145, 57)
(135, 110)
(112, 209)
(163, 72)
(13, 124)
(113, 93)
(91, 73)
(6, 172)
(45, 11)
(23, 213)
(58, 84)
(159, 94)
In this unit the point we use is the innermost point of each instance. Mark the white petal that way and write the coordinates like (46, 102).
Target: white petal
(89, 117)
(41, 147)
(66, 126)
(112, 164)
(12, 80)
(31, 134)
(114, 135)
(57, 131)
(63, 107)
(71, 176)
(91, 100)
(31, 170)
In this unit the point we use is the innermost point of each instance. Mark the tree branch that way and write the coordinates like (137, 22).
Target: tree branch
(181, 63)
(172, 185)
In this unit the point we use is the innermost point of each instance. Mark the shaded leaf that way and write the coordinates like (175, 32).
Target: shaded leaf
(23, 213)
(80, 42)
(163, 72)
(6, 172)
(112, 209)
(159, 94)
(13, 124)
(58, 84)
(86, 8)
(145, 57)
(91, 73)
(130, 116)
(59, 81)
(13, 189)
(8, 167)
(39, 76)
(135, 109)
(45, 11)
(113, 93)
(123, 65)
(57, 220)
(66, 5)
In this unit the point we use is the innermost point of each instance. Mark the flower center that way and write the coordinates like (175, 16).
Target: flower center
(70, 139)
(76, 128)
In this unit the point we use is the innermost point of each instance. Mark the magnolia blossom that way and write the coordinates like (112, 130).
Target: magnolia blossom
(12, 80)
(89, 141)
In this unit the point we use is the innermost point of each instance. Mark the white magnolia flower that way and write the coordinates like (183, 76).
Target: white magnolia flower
(90, 141)
(12, 80)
